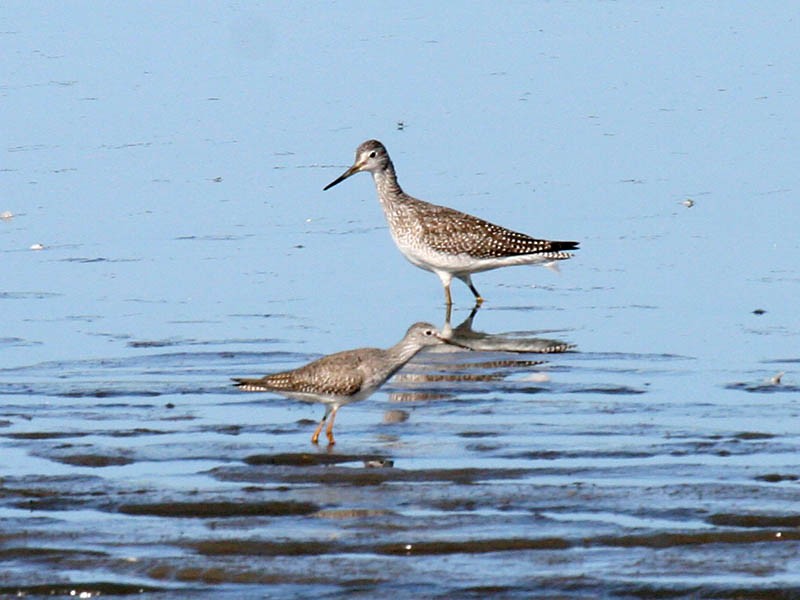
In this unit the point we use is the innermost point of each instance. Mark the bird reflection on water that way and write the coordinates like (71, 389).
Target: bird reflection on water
(466, 336)
(436, 375)
(353, 375)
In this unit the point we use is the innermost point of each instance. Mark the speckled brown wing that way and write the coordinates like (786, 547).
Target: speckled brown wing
(335, 375)
(448, 230)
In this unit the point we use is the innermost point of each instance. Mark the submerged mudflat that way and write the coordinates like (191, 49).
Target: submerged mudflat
(472, 473)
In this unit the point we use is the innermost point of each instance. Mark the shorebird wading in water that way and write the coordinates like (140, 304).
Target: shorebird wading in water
(345, 377)
(443, 240)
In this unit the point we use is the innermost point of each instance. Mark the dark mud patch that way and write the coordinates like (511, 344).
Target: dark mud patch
(477, 434)
(753, 435)
(109, 393)
(239, 547)
(709, 592)
(758, 521)
(308, 459)
(343, 476)
(479, 546)
(204, 575)
(671, 540)
(78, 590)
(43, 435)
(46, 554)
(411, 548)
(206, 510)
(93, 460)
(353, 513)
(776, 478)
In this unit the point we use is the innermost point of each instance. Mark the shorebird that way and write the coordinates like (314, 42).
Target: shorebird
(344, 377)
(443, 240)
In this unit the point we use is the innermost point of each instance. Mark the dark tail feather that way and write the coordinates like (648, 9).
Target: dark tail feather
(559, 246)
(249, 385)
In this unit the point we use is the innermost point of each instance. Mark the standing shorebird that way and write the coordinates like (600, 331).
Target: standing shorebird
(344, 377)
(443, 240)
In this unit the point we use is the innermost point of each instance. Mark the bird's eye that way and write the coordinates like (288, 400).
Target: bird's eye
(429, 332)
(373, 154)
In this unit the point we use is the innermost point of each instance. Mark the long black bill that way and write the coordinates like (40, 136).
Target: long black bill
(351, 171)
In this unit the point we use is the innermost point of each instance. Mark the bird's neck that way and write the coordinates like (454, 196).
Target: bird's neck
(386, 183)
(401, 353)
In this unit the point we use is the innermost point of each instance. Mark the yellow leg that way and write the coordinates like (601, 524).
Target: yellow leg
(447, 299)
(318, 430)
(329, 430)
(315, 437)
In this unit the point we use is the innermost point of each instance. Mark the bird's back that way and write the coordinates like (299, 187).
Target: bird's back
(421, 225)
(339, 374)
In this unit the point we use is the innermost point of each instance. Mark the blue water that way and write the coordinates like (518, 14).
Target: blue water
(170, 159)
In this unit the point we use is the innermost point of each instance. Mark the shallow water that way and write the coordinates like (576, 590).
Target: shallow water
(625, 428)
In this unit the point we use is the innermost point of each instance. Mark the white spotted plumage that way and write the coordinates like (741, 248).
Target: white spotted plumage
(443, 240)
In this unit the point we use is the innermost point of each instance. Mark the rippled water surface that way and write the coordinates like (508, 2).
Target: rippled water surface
(625, 428)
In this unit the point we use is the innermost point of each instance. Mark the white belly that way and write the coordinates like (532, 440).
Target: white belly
(461, 264)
